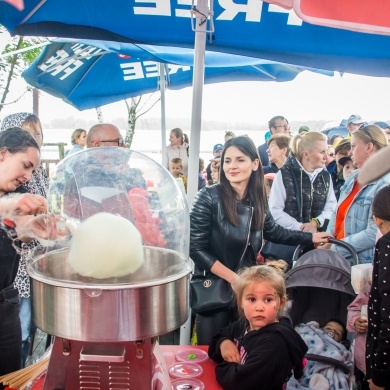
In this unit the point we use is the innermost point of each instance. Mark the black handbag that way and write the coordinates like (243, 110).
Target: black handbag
(209, 293)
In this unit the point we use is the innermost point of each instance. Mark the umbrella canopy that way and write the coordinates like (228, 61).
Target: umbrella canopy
(89, 76)
(248, 28)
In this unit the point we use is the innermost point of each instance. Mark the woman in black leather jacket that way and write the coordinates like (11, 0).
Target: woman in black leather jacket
(228, 222)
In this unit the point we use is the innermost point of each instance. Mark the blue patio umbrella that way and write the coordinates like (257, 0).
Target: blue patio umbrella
(88, 76)
(246, 27)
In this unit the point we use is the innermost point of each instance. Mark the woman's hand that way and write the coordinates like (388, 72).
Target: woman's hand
(229, 351)
(310, 227)
(41, 226)
(373, 386)
(361, 325)
(321, 238)
(22, 204)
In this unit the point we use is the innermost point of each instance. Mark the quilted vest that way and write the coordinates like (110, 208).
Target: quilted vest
(304, 200)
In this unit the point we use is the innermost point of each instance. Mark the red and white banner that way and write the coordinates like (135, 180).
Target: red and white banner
(370, 16)
(18, 4)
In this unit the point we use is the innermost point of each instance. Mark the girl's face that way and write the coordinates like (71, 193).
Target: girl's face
(275, 154)
(174, 140)
(238, 167)
(16, 169)
(82, 139)
(360, 151)
(261, 304)
(316, 157)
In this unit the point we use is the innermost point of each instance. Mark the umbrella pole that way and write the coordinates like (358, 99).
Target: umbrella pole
(196, 121)
(162, 86)
(201, 13)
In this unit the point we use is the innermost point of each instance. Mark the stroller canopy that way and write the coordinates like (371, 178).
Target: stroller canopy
(319, 286)
(321, 268)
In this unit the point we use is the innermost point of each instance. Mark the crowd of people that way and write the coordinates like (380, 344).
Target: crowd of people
(290, 190)
(313, 194)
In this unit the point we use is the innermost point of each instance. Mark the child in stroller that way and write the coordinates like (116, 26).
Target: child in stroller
(319, 286)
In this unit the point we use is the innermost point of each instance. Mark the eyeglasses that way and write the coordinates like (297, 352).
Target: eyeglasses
(286, 127)
(119, 141)
(367, 133)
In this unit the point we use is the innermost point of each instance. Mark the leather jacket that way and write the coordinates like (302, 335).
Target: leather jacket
(213, 237)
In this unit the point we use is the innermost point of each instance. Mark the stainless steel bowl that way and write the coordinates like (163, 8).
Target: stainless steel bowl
(150, 302)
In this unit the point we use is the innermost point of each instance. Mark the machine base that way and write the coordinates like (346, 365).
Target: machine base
(77, 365)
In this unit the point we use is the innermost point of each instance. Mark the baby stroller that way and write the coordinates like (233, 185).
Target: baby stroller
(319, 286)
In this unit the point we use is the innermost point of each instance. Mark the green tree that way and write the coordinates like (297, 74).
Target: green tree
(12, 66)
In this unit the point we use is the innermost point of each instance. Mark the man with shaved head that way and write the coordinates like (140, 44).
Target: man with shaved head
(104, 134)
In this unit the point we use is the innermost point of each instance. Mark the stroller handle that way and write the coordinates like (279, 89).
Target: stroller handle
(348, 247)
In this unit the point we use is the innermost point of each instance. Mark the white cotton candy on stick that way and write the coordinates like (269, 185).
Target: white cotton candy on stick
(106, 246)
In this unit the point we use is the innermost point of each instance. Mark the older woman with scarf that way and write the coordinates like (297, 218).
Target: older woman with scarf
(38, 185)
(352, 222)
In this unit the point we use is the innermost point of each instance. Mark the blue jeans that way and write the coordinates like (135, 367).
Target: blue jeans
(25, 322)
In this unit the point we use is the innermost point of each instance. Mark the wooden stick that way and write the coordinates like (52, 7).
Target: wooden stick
(21, 379)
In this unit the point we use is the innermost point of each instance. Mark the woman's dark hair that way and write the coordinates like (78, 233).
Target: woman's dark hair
(381, 204)
(255, 190)
(16, 140)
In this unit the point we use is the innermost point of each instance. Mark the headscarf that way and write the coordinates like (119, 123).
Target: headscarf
(14, 120)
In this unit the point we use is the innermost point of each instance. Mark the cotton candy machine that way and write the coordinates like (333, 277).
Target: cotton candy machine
(106, 326)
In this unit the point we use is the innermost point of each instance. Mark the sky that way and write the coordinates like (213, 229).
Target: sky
(310, 96)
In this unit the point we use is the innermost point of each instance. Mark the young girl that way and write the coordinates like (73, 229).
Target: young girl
(378, 334)
(258, 352)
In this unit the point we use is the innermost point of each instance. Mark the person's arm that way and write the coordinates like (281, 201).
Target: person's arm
(265, 366)
(354, 322)
(43, 226)
(225, 335)
(22, 204)
(361, 241)
(277, 201)
(279, 235)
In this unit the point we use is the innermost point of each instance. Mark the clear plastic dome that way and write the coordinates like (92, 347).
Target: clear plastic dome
(125, 183)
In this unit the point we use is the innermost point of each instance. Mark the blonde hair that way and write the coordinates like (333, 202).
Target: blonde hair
(177, 160)
(304, 142)
(272, 273)
(372, 133)
(76, 135)
(33, 123)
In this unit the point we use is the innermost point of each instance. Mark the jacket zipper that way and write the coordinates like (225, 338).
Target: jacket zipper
(247, 240)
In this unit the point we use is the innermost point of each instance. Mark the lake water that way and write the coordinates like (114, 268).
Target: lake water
(149, 141)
